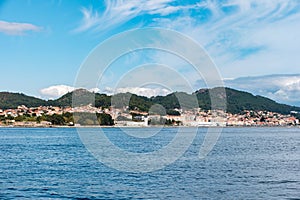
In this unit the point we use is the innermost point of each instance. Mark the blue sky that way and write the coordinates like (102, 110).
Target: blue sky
(43, 43)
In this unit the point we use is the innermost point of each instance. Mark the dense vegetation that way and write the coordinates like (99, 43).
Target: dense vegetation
(65, 119)
(13, 100)
(93, 119)
(237, 101)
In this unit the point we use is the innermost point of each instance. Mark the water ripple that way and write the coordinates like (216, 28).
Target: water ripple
(246, 163)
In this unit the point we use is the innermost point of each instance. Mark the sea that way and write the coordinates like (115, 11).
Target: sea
(244, 163)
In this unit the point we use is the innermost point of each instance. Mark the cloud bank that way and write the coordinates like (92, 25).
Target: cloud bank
(141, 91)
(57, 91)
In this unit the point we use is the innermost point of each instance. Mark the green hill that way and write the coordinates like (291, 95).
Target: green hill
(83, 97)
(237, 101)
(81, 94)
(13, 100)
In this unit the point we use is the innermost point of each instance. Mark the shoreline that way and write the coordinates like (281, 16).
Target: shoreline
(138, 127)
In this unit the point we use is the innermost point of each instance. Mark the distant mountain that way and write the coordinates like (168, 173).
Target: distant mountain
(237, 101)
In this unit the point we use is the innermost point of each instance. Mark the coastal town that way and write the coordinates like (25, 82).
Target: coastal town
(23, 116)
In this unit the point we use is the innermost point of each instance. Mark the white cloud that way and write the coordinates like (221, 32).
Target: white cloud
(13, 28)
(56, 91)
(142, 91)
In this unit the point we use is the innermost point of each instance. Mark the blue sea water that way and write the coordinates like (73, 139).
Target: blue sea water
(246, 163)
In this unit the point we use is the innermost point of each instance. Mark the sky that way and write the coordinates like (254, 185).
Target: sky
(254, 44)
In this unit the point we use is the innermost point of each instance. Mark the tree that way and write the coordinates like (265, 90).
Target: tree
(105, 119)
(56, 119)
